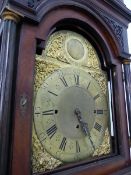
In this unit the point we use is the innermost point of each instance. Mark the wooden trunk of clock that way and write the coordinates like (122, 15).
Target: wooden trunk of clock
(105, 29)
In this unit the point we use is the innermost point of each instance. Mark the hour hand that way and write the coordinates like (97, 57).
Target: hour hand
(84, 126)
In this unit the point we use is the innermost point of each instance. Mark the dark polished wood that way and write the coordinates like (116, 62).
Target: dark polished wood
(32, 39)
(125, 171)
(33, 9)
(2, 5)
(7, 62)
(113, 13)
(21, 153)
(127, 73)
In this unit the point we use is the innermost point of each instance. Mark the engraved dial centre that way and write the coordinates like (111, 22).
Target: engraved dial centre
(70, 99)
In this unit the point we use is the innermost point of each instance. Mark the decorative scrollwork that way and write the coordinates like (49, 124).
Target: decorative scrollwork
(117, 29)
(32, 3)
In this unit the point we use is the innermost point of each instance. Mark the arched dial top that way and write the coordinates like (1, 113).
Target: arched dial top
(70, 114)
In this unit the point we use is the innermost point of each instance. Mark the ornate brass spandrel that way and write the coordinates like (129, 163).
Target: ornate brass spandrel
(54, 47)
(42, 70)
(105, 146)
(41, 160)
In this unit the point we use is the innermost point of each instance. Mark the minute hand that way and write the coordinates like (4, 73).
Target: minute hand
(84, 126)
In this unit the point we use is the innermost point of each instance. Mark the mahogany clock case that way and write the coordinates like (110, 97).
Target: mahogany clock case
(32, 41)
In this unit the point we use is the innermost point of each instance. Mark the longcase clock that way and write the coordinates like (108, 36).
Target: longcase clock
(67, 77)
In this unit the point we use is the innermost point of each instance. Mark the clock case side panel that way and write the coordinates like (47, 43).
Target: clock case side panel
(32, 41)
(22, 124)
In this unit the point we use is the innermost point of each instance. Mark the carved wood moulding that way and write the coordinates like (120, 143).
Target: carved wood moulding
(27, 3)
(2, 5)
(36, 5)
(36, 9)
(116, 28)
(32, 3)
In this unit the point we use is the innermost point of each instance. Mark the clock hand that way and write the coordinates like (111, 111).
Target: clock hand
(84, 126)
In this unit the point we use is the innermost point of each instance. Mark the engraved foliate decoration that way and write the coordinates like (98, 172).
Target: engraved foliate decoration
(68, 47)
(116, 28)
(32, 3)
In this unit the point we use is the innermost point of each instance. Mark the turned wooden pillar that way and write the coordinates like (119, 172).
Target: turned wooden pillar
(7, 62)
(127, 71)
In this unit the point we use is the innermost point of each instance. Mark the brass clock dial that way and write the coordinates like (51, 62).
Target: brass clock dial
(70, 114)
(71, 110)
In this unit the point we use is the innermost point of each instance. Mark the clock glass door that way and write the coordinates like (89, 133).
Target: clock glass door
(72, 121)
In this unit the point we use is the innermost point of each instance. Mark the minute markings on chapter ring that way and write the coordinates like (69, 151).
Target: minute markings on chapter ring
(97, 96)
(88, 85)
(42, 136)
(52, 93)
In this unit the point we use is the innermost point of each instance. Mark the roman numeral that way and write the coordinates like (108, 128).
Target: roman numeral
(88, 85)
(64, 81)
(51, 131)
(77, 147)
(98, 111)
(49, 112)
(37, 113)
(77, 78)
(97, 126)
(97, 96)
(63, 144)
(52, 93)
